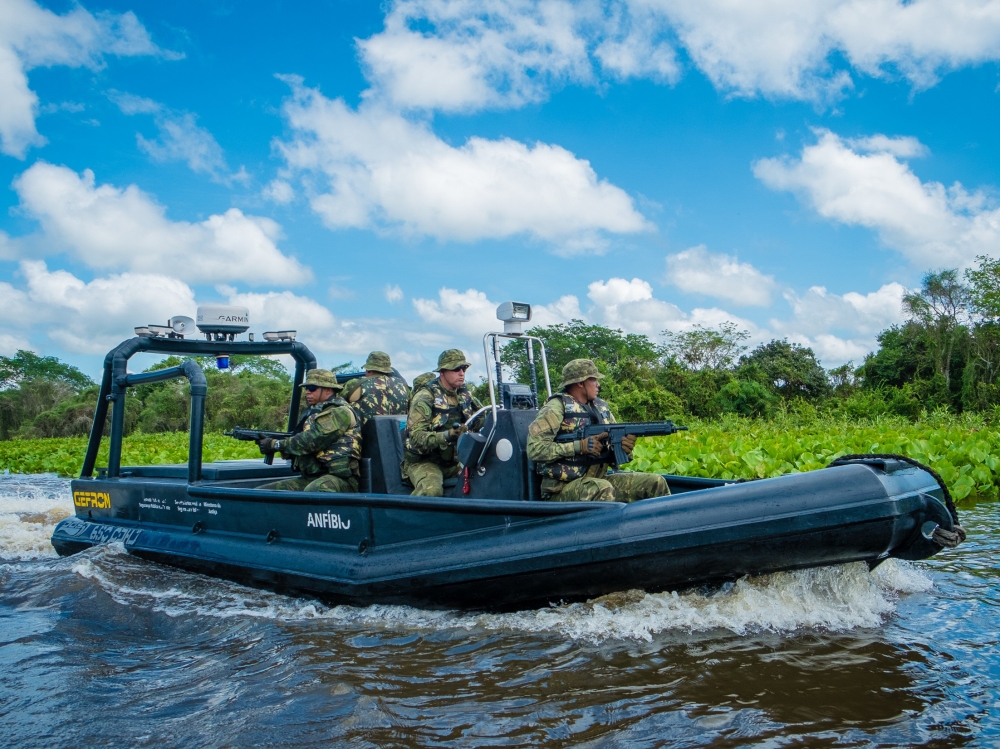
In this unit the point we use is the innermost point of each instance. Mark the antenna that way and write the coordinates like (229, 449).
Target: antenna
(182, 324)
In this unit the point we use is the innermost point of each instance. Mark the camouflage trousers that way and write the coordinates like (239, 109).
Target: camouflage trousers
(428, 478)
(323, 483)
(615, 487)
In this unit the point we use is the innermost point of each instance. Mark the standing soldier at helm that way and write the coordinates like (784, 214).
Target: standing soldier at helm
(570, 471)
(326, 445)
(381, 392)
(438, 413)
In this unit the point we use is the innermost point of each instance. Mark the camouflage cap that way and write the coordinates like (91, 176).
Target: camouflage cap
(453, 358)
(422, 379)
(324, 378)
(578, 370)
(378, 361)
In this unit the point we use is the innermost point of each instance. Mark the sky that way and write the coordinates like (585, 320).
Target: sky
(382, 176)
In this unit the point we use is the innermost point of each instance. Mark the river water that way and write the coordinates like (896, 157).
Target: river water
(102, 649)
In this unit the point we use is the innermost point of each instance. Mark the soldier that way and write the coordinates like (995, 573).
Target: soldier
(326, 446)
(438, 412)
(568, 469)
(380, 392)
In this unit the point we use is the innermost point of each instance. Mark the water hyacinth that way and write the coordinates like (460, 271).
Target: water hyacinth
(964, 450)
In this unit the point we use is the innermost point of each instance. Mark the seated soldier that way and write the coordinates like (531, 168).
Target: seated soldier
(438, 412)
(381, 392)
(326, 445)
(569, 470)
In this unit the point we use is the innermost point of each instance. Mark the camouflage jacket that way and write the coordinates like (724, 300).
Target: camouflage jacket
(377, 395)
(559, 462)
(432, 412)
(329, 441)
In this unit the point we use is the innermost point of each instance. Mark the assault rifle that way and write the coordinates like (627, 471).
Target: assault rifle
(252, 435)
(613, 451)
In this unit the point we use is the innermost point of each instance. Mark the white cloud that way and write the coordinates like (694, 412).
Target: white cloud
(278, 191)
(841, 328)
(932, 225)
(92, 317)
(385, 171)
(467, 312)
(412, 349)
(631, 307)
(31, 37)
(698, 271)
(393, 293)
(109, 227)
(11, 344)
(456, 55)
(180, 138)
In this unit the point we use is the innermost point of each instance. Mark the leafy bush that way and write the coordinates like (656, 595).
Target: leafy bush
(746, 398)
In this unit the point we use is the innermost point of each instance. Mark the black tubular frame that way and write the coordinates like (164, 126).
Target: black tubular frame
(117, 380)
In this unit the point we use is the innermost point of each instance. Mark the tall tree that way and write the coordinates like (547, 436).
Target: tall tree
(703, 347)
(941, 308)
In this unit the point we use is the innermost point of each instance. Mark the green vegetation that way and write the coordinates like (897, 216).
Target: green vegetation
(64, 455)
(964, 450)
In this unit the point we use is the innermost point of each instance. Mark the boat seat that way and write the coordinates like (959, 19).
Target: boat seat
(382, 444)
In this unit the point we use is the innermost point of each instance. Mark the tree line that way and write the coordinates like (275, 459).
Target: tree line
(945, 355)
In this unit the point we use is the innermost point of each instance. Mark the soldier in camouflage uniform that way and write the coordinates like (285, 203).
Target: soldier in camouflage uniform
(568, 469)
(326, 446)
(381, 392)
(438, 412)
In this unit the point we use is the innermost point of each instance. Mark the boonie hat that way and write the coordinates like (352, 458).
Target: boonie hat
(453, 358)
(378, 361)
(323, 378)
(578, 370)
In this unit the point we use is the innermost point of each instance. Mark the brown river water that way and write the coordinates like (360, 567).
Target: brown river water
(103, 649)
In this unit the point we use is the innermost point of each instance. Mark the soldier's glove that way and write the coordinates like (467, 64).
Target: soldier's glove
(628, 443)
(268, 445)
(456, 431)
(592, 446)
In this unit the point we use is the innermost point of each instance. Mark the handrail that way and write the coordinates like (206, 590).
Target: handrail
(116, 380)
(528, 339)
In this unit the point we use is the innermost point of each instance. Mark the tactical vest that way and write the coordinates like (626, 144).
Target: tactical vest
(379, 395)
(341, 458)
(575, 416)
(443, 415)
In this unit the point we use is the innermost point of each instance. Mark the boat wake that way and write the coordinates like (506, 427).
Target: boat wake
(830, 598)
(30, 509)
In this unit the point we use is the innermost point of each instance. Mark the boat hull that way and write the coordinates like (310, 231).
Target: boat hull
(501, 555)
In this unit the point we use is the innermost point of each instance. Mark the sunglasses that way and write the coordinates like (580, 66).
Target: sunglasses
(310, 388)
(458, 369)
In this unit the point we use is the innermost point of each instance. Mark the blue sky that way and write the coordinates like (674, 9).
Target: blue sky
(383, 176)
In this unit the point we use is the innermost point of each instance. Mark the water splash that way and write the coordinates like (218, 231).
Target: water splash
(30, 509)
(830, 598)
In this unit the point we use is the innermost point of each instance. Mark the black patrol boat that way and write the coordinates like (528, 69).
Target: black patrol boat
(489, 543)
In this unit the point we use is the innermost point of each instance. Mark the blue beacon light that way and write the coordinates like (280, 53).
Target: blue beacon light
(222, 362)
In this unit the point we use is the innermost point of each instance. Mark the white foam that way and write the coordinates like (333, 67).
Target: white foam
(30, 508)
(830, 598)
